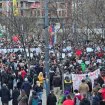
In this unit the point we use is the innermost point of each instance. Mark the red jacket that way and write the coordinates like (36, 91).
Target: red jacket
(68, 102)
(103, 93)
(23, 74)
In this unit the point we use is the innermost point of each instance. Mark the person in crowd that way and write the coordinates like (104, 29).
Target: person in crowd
(26, 86)
(56, 84)
(89, 83)
(51, 99)
(102, 91)
(67, 84)
(5, 95)
(62, 97)
(85, 100)
(19, 81)
(41, 78)
(95, 98)
(15, 95)
(22, 99)
(77, 97)
(34, 99)
(83, 88)
(100, 80)
(68, 101)
(96, 87)
(23, 73)
(39, 89)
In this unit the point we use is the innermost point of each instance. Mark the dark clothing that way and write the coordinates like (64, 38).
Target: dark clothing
(38, 88)
(100, 81)
(26, 87)
(5, 94)
(19, 83)
(85, 101)
(15, 95)
(57, 81)
(51, 99)
(96, 100)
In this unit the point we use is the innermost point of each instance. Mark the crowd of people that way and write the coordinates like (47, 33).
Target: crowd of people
(23, 81)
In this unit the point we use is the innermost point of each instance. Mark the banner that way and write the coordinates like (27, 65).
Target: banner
(76, 78)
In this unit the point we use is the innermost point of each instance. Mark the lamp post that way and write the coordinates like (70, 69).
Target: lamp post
(47, 49)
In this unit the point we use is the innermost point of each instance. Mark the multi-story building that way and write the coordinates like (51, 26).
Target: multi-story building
(58, 9)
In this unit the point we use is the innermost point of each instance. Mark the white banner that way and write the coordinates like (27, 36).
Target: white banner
(76, 78)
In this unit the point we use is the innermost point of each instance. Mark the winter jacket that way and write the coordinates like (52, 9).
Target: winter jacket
(15, 95)
(56, 81)
(5, 94)
(85, 101)
(38, 88)
(27, 87)
(95, 100)
(68, 102)
(51, 99)
(22, 100)
(83, 88)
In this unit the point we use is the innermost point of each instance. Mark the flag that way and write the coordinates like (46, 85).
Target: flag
(15, 8)
(52, 36)
(83, 66)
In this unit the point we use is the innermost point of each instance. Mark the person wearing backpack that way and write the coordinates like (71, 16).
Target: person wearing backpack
(77, 97)
(34, 99)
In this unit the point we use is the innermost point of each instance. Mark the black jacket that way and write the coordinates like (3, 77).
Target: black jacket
(57, 81)
(51, 99)
(85, 101)
(5, 94)
(15, 95)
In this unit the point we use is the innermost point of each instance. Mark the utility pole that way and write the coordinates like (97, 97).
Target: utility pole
(47, 49)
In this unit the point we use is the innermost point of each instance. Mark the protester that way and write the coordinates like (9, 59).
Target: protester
(102, 91)
(51, 99)
(85, 100)
(95, 99)
(26, 86)
(22, 99)
(34, 99)
(15, 95)
(38, 89)
(5, 95)
(56, 84)
(68, 84)
(68, 101)
(83, 88)
(41, 78)
(77, 97)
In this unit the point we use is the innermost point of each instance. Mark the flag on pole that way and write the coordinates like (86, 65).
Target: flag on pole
(15, 8)
(52, 32)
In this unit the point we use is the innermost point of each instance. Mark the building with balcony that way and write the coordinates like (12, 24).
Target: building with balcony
(58, 9)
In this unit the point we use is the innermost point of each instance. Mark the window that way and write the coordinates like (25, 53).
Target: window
(64, 13)
(38, 12)
(21, 4)
(60, 13)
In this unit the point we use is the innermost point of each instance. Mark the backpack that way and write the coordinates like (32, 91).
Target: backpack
(77, 101)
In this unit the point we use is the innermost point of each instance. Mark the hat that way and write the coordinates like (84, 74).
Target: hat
(25, 79)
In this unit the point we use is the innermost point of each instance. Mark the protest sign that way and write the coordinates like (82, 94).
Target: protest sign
(76, 78)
